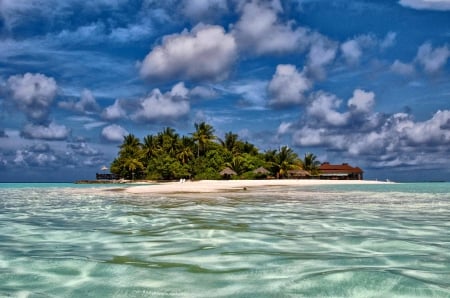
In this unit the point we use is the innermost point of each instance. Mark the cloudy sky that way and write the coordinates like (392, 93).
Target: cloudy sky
(363, 82)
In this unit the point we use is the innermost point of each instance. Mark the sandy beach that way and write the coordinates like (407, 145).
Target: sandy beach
(211, 186)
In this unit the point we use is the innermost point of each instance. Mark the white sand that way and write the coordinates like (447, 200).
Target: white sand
(209, 186)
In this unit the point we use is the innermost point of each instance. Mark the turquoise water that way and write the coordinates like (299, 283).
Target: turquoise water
(335, 241)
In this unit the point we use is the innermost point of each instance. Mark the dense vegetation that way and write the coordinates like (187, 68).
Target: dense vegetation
(202, 155)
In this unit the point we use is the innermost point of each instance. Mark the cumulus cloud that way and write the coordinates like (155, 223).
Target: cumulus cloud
(200, 10)
(321, 53)
(426, 4)
(33, 94)
(84, 149)
(288, 86)
(35, 159)
(351, 51)
(432, 60)
(434, 131)
(167, 106)
(86, 105)
(203, 92)
(114, 133)
(260, 31)
(384, 140)
(324, 110)
(52, 131)
(362, 101)
(205, 53)
(114, 112)
(284, 128)
(401, 68)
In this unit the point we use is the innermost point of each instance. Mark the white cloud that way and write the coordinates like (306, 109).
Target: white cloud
(308, 136)
(321, 53)
(288, 86)
(401, 68)
(199, 10)
(52, 131)
(114, 112)
(203, 92)
(259, 31)
(323, 109)
(284, 128)
(33, 94)
(163, 107)
(362, 101)
(432, 60)
(426, 4)
(29, 158)
(433, 131)
(84, 149)
(87, 103)
(351, 50)
(205, 53)
(388, 41)
(383, 140)
(114, 133)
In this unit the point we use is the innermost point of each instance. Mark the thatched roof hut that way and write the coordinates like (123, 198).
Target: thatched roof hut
(227, 172)
(261, 171)
(298, 174)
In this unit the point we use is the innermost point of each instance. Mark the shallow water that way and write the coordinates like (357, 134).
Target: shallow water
(333, 241)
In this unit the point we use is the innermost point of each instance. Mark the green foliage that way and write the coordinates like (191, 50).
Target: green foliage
(167, 156)
(310, 163)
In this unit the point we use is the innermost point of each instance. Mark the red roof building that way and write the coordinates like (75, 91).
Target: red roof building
(340, 172)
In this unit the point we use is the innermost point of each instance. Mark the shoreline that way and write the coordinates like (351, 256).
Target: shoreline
(214, 186)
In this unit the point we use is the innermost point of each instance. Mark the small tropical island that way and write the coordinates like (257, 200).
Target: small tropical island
(167, 156)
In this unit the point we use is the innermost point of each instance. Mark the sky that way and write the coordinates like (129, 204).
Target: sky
(362, 82)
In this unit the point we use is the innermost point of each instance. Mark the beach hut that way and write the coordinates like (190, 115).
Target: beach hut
(298, 174)
(227, 173)
(261, 172)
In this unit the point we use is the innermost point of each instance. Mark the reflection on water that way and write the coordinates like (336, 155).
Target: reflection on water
(311, 242)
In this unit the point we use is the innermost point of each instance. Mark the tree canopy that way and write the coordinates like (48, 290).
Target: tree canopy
(202, 155)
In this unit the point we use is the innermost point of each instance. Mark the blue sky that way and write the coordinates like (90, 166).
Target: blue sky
(363, 82)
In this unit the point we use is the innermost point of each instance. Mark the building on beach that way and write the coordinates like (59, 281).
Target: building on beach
(340, 172)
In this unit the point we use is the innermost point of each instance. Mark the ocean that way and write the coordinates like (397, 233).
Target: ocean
(383, 240)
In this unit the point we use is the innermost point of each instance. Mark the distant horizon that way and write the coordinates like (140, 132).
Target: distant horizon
(349, 81)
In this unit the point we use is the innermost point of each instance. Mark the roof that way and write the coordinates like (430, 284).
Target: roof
(327, 168)
(227, 171)
(261, 170)
(298, 173)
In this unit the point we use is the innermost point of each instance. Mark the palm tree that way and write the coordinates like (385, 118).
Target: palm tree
(310, 163)
(149, 147)
(130, 145)
(169, 140)
(132, 164)
(203, 134)
(230, 142)
(284, 160)
(237, 164)
(184, 151)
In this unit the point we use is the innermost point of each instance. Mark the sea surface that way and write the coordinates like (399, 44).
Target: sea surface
(66, 240)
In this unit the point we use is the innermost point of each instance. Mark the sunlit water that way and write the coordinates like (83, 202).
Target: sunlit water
(333, 241)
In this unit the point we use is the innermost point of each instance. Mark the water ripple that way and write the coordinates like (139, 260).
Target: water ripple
(298, 242)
